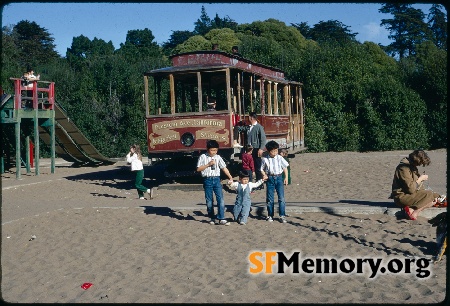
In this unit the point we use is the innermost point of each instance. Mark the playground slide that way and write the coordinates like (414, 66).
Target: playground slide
(71, 144)
(60, 150)
(5, 98)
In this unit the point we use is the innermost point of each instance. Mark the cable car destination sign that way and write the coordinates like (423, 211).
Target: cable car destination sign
(167, 131)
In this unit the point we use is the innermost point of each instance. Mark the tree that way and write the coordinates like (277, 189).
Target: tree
(226, 22)
(274, 30)
(34, 43)
(303, 28)
(407, 28)
(141, 38)
(438, 26)
(315, 136)
(203, 24)
(273, 43)
(418, 31)
(426, 73)
(357, 97)
(80, 47)
(226, 38)
(194, 43)
(11, 60)
(140, 42)
(359, 100)
(84, 51)
(175, 39)
(331, 30)
(99, 47)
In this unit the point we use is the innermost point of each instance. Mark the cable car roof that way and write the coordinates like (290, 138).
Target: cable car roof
(215, 61)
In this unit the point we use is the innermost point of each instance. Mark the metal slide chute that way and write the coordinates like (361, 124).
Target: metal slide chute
(71, 144)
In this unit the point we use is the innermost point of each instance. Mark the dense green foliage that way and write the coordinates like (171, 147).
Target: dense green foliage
(407, 28)
(331, 30)
(360, 101)
(358, 96)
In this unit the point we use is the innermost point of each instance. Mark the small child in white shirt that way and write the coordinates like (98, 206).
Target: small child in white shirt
(243, 202)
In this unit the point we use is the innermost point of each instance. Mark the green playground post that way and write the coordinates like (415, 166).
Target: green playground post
(17, 134)
(27, 152)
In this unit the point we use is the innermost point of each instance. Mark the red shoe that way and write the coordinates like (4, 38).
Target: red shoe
(409, 213)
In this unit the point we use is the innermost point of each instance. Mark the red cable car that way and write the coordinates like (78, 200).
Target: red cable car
(179, 121)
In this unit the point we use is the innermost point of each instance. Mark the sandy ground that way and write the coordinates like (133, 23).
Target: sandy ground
(86, 225)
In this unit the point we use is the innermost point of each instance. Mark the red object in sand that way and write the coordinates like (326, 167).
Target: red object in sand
(86, 286)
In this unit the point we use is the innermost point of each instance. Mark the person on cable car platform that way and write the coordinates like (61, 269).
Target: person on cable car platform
(235, 51)
(211, 105)
(238, 127)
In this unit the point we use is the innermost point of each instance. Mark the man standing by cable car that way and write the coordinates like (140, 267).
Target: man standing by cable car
(257, 138)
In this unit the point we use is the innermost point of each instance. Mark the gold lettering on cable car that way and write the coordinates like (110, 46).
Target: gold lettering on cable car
(164, 131)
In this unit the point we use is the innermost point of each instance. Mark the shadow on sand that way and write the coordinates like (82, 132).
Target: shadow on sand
(387, 204)
(178, 215)
(122, 177)
(256, 213)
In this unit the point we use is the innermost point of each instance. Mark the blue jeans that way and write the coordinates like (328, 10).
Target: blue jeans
(258, 162)
(275, 183)
(210, 185)
(242, 204)
(241, 209)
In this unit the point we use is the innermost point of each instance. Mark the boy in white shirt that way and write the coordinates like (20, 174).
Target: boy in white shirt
(273, 166)
(243, 202)
(210, 164)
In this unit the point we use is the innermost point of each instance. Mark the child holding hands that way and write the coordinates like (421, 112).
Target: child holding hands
(210, 164)
(243, 203)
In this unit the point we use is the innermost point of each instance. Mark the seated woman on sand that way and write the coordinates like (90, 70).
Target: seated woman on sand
(408, 191)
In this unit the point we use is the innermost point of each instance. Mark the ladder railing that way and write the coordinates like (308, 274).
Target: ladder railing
(47, 102)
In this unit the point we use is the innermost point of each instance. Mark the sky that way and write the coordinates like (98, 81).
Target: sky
(112, 21)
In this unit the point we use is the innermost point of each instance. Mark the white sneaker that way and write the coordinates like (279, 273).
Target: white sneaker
(211, 221)
(283, 219)
(242, 223)
(236, 145)
(270, 219)
(141, 198)
(224, 222)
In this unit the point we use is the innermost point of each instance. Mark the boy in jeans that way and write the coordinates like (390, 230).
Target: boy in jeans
(209, 164)
(272, 168)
